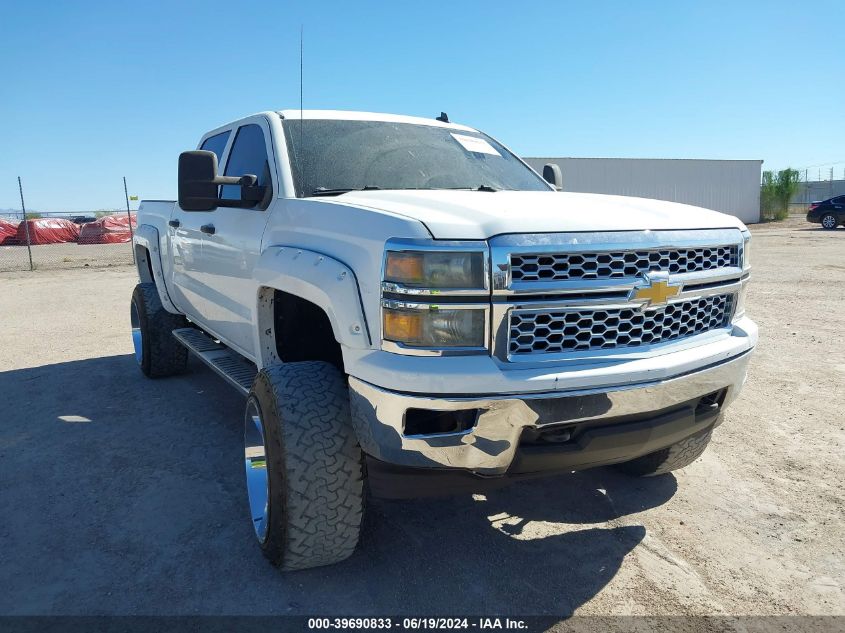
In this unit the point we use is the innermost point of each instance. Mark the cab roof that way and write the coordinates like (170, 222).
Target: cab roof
(348, 115)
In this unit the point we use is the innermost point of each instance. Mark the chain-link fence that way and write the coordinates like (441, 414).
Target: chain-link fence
(65, 241)
(36, 241)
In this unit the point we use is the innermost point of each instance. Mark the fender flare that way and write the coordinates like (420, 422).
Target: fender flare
(146, 236)
(321, 279)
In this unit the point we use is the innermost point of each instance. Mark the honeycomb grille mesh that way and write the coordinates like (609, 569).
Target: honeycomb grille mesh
(555, 330)
(616, 264)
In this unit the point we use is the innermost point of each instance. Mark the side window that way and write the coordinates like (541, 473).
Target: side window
(216, 144)
(247, 156)
(839, 200)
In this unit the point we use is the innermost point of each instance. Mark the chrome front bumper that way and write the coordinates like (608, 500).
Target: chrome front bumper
(490, 446)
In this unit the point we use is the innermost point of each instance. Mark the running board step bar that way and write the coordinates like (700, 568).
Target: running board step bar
(238, 371)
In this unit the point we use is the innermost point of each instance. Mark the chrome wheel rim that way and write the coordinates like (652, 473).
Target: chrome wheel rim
(255, 461)
(828, 222)
(137, 337)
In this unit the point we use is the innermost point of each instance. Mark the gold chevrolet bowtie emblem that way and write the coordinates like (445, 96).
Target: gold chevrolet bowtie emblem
(656, 292)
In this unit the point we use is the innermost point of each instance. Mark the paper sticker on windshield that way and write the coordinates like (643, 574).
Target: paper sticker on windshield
(475, 144)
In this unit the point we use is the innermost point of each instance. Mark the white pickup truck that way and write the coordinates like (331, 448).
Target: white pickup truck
(404, 301)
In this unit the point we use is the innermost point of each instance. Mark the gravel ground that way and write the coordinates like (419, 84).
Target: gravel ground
(71, 255)
(120, 495)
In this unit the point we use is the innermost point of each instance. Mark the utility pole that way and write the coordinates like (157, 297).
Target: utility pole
(806, 188)
(129, 217)
(26, 225)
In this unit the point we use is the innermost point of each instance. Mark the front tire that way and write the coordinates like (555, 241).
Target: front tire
(829, 221)
(157, 352)
(304, 468)
(671, 458)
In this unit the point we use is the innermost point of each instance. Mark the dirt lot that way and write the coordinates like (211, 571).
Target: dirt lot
(122, 495)
(71, 255)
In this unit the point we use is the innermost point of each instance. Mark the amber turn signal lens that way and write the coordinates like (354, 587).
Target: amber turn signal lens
(405, 267)
(403, 325)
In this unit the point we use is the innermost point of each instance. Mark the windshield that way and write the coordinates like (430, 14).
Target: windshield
(330, 157)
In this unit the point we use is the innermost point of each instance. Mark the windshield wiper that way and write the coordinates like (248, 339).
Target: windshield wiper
(322, 191)
(478, 188)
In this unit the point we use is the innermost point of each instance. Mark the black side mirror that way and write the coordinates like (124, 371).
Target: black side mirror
(197, 186)
(199, 182)
(552, 175)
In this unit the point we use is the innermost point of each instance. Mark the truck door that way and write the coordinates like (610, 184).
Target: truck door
(231, 246)
(185, 238)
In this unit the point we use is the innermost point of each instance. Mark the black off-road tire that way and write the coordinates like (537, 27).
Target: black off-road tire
(314, 465)
(159, 354)
(832, 222)
(670, 458)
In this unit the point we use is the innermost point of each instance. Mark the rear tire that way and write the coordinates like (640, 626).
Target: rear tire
(304, 467)
(157, 352)
(829, 221)
(670, 458)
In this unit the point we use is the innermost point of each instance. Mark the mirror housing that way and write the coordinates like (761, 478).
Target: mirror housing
(199, 184)
(197, 173)
(552, 175)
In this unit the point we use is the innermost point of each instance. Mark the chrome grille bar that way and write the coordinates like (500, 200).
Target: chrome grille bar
(563, 250)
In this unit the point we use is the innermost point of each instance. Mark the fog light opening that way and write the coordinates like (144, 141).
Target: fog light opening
(710, 403)
(429, 422)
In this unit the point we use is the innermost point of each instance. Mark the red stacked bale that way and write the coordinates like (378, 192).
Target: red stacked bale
(110, 229)
(48, 231)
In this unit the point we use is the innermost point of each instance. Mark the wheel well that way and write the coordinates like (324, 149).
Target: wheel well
(303, 331)
(144, 264)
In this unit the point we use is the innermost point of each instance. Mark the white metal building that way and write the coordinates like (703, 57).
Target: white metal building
(730, 186)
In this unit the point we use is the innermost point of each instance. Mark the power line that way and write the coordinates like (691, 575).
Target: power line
(839, 162)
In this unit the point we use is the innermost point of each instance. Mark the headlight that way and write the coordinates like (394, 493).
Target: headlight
(746, 249)
(435, 269)
(425, 325)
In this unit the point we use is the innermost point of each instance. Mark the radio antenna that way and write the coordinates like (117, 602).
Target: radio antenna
(301, 146)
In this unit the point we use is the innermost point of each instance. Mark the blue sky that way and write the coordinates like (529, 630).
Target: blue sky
(92, 92)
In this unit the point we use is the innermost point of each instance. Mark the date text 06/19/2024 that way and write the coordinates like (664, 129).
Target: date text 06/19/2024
(417, 624)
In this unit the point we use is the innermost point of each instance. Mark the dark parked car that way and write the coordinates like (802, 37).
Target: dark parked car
(829, 213)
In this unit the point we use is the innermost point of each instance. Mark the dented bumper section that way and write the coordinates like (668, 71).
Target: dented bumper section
(492, 435)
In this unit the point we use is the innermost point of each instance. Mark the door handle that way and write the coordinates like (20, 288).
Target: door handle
(208, 228)
(174, 223)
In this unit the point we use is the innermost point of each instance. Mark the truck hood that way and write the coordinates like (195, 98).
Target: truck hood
(478, 215)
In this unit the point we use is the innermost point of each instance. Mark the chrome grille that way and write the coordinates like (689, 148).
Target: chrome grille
(617, 264)
(556, 330)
